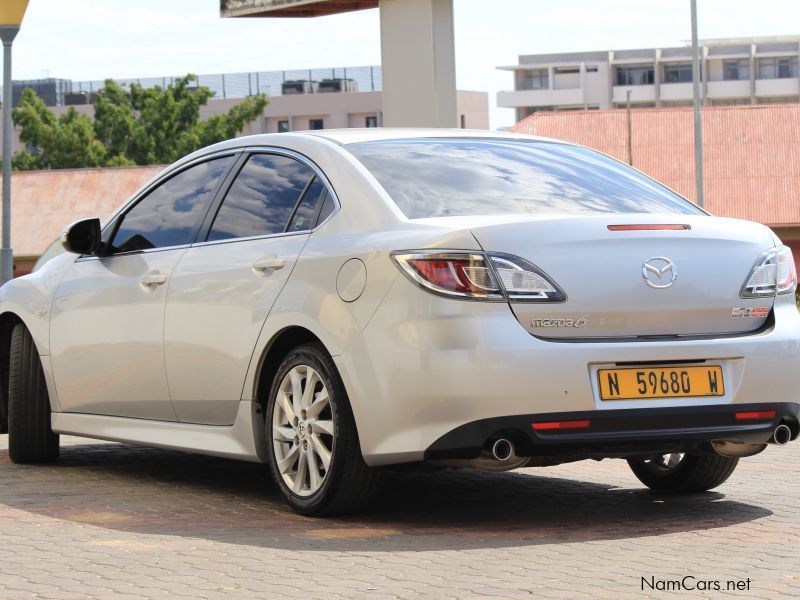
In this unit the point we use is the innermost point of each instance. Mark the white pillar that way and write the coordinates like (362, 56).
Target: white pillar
(419, 64)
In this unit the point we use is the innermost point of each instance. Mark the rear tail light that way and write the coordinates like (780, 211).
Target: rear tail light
(773, 273)
(458, 274)
(464, 274)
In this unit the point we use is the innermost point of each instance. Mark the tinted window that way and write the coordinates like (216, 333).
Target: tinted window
(262, 198)
(171, 213)
(451, 177)
(327, 208)
(307, 210)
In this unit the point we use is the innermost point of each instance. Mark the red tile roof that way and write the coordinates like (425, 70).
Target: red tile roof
(43, 202)
(751, 153)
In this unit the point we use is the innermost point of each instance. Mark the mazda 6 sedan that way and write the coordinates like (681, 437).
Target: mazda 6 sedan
(334, 302)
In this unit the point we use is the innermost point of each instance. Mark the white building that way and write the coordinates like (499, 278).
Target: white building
(760, 70)
(298, 100)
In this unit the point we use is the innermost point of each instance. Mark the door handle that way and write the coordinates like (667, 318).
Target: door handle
(268, 263)
(153, 279)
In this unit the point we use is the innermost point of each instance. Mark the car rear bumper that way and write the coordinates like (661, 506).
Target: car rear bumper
(425, 366)
(619, 432)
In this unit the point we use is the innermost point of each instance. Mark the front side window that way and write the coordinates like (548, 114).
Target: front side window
(439, 177)
(171, 214)
(262, 197)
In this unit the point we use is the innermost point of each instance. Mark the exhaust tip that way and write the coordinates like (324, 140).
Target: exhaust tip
(502, 449)
(782, 435)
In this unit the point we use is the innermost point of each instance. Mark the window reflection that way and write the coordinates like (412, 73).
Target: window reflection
(453, 177)
(171, 213)
(262, 198)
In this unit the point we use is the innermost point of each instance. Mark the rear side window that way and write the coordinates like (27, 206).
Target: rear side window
(327, 209)
(306, 213)
(437, 177)
(171, 214)
(262, 197)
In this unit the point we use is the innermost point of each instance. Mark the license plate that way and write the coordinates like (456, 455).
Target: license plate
(644, 383)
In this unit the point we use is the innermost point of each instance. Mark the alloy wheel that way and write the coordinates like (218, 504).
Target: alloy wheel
(303, 430)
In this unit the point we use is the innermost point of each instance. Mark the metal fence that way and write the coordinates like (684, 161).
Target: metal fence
(240, 85)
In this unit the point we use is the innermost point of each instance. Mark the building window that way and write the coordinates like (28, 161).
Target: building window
(635, 75)
(316, 124)
(778, 100)
(736, 69)
(729, 101)
(678, 73)
(283, 126)
(535, 79)
(463, 121)
(371, 121)
(777, 68)
(566, 70)
(591, 68)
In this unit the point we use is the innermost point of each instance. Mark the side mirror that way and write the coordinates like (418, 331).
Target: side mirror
(82, 237)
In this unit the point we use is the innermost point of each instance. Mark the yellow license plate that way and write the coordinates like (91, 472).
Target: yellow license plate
(643, 383)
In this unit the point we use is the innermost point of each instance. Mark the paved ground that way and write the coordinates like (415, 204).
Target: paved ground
(114, 521)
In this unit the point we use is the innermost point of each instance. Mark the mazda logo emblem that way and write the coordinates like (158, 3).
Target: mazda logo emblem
(659, 272)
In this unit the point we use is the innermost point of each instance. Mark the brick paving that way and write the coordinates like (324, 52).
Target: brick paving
(116, 521)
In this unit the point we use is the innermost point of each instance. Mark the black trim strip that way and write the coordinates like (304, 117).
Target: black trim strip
(631, 428)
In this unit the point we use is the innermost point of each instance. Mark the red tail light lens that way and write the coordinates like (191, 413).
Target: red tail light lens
(755, 415)
(466, 274)
(460, 274)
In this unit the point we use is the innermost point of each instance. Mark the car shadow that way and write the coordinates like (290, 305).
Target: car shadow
(150, 491)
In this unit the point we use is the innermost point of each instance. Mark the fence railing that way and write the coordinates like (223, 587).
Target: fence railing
(240, 85)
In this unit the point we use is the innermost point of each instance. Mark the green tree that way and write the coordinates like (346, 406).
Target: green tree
(63, 142)
(131, 126)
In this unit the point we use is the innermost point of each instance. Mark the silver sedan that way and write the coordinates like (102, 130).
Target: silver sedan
(329, 303)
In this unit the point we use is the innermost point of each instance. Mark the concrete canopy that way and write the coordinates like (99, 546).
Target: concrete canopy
(417, 52)
(291, 8)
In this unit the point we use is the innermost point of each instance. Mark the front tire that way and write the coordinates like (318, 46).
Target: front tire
(314, 451)
(30, 438)
(683, 473)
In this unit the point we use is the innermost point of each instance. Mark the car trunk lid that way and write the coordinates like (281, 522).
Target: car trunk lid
(630, 276)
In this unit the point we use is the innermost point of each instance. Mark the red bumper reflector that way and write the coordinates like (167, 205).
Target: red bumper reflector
(755, 415)
(649, 227)
(561, 425)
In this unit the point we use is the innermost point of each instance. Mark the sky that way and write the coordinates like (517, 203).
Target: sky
(96, 39)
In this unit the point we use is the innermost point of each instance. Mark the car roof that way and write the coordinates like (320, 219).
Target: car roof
(342, 137)
(377, 134)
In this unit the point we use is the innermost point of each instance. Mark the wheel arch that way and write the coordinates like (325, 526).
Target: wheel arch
(273, 354)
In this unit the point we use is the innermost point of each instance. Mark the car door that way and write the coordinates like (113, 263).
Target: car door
(224, 286)
(107, 321)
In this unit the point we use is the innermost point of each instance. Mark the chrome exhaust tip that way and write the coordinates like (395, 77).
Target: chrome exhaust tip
(782, 435)
(502, 449)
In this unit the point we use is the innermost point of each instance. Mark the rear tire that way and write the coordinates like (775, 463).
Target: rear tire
(691, 474)
(30, 438)
(315, 428)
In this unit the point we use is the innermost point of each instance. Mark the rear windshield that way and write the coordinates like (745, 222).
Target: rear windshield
(438, 177)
